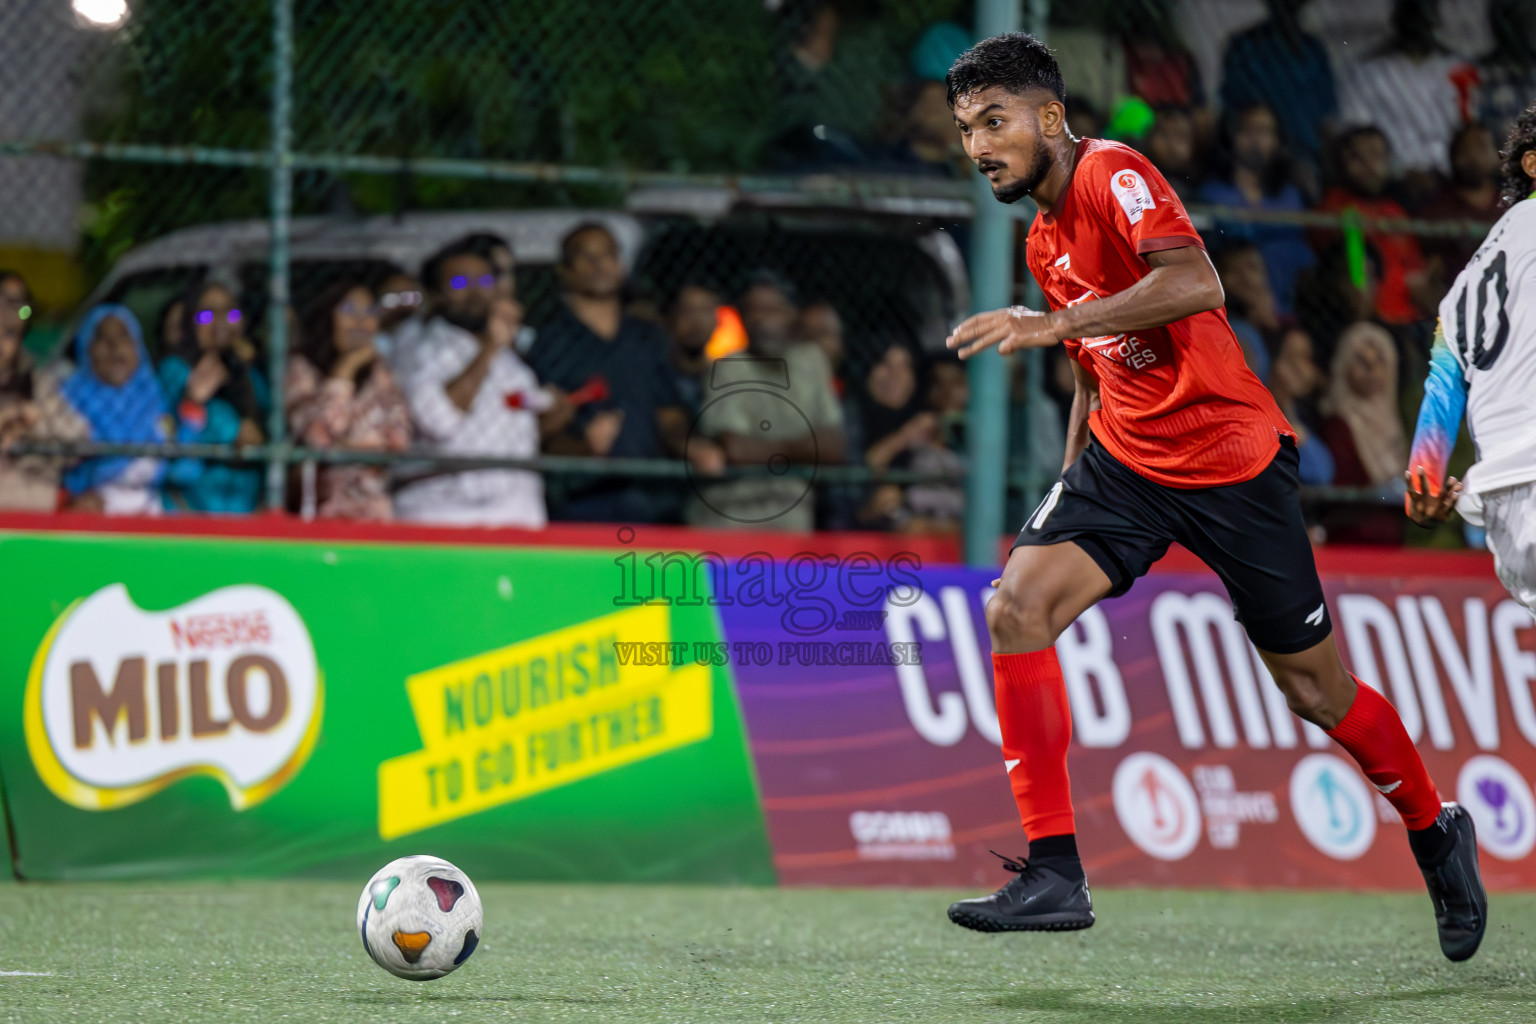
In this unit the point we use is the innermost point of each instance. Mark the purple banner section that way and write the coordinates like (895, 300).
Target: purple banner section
(874, 732)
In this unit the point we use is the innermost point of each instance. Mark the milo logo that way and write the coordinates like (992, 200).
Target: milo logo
(122, 702)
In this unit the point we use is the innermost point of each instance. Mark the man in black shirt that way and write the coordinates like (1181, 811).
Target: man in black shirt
(640, 414)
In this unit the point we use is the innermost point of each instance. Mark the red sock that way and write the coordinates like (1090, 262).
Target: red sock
(1376, 739)
(1037, 728)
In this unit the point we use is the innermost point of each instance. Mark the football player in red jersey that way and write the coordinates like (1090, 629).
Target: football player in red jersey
(1172, 438)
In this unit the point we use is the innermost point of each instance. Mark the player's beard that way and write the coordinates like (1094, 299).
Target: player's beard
(1039, 167)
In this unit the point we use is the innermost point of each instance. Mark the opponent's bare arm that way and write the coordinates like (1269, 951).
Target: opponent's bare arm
(1085, 399)
(1182, 283)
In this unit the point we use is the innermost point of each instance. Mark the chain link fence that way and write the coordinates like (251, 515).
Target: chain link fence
(244, 161)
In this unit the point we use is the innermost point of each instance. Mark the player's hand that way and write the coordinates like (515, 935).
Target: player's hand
(1425, 507)
(1011, 330)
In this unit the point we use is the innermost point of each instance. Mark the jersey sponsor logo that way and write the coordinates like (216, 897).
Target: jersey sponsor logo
(1500, 801)
(1332, 806)
(1132, 192)
(1316, 618)
(1156, 806)
(1064, 260)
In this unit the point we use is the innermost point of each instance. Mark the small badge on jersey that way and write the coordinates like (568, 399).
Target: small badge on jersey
(1131, 189)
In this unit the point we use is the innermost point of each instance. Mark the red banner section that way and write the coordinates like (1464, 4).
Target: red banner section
(1187, 767)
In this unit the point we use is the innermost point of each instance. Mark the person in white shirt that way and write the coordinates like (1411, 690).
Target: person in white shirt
(470, 394)
(1413, 88)
(1484, 366)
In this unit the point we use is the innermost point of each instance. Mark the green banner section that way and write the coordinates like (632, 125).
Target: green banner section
(208, 707)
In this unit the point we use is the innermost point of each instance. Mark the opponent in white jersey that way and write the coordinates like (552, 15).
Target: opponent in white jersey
(1484, 365)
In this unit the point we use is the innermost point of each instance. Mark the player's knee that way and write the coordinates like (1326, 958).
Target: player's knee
(1020, 622)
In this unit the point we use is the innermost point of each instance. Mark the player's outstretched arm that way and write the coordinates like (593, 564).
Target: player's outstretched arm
(1431, 495)
(1182, 283)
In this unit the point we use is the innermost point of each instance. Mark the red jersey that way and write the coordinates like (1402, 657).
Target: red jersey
(1180, 405)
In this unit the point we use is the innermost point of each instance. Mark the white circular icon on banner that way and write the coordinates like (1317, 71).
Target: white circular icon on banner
(1501, 805)
(1333, 805)
(1156, 806)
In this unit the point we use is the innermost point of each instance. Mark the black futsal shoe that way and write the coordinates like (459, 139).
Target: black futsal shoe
(1039, 898)
(1456, 886)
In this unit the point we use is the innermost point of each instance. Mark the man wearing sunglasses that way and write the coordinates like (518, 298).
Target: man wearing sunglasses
(470, 394)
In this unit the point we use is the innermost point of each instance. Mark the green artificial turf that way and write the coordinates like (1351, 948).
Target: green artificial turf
(275, 951)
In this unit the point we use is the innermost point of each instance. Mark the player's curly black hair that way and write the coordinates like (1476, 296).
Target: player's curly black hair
(1017, 61)
(1520, 141)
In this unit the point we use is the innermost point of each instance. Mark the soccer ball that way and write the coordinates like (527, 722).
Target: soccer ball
(419, 917)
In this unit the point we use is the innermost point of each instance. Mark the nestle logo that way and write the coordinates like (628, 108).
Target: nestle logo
(221, 629)
(902, 835)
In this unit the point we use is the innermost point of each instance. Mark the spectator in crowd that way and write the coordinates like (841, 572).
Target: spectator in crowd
(1174, 149)
(899, 419)
(1472, 194)
(31, 409)
(1280, 65)
(821, 325)
(924, 129)
(1251, 307)
(341, 394)
(219, 396)
(1414, 89)
(16, 294)
(113, 389)
(1364, 429)
(172, 323)
(892, 414)
(470, 394)
(1364, 173)
(1328, 299)
(1364, 433)
(1294, 380)
(399, 299)
(640, 415)
(691, 315)
(940, 507)
(794, 420)
(1257, 176)
(829, 80)
(1506, 74)
(1158, 66)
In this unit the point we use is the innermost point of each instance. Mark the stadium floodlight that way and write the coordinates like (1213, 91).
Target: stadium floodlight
(100, 14)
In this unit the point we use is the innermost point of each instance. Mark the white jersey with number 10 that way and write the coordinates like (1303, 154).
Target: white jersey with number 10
(1489, 323)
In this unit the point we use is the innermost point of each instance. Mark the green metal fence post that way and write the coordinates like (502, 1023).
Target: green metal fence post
(281, 206)
(991, 274)
(1036, 20)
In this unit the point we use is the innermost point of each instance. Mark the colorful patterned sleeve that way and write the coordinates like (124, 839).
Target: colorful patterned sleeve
(1445, 400)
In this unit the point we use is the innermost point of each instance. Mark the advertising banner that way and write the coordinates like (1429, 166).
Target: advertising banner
(173, 707)
(875, 731)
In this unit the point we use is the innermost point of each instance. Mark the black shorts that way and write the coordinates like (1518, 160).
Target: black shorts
(1251, 534)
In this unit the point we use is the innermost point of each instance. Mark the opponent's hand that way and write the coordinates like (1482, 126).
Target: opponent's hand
(1426, 508)
(1011, 330)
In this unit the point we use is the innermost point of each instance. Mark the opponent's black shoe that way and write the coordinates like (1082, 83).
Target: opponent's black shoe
(1039, 899)
(1456, 887)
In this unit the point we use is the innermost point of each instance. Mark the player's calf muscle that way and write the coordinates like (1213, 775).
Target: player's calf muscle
(1315, 684)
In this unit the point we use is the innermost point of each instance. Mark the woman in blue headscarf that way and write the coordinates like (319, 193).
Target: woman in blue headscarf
(114, 389)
